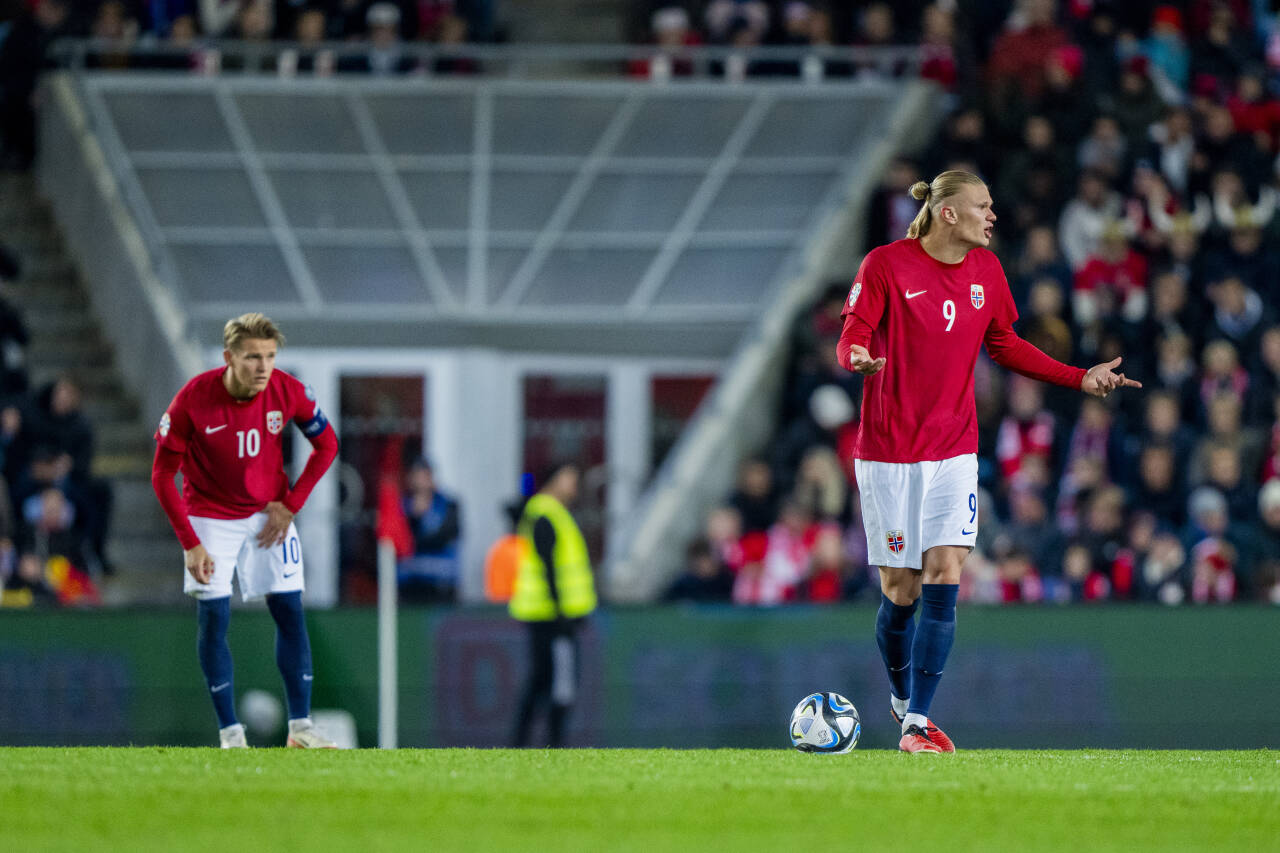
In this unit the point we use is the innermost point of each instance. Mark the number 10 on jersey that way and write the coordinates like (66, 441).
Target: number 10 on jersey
(249, 442)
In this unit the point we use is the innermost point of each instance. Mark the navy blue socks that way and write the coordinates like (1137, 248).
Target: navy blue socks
(895, 630)
(934, 636)
(212, 617)
(293, 651)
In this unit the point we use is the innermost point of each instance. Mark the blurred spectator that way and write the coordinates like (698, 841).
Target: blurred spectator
(1083, 580)
(737, 21)
(724, 536)
(1160, 578)
(774, 579)
(671, 32)
(1105, 149)
(21, 58)
(1134, 104)
(938, 61)
(1267, 375)
(1158, 489)
(892, 208)
(1266, 571)
(1220, 53)
(1021, 173)
(1086, 216)
(27, 586)
(218, 16)
(1020, 582)
(1040, 259)
(435, 518)
(1112, 280)
(1165, 48)
(964, 141)
(1025, 443)
(755, 499)
(1221, 371)
(705, 578)
(1173, 146)
(254, 21)
(832, 576)
(1030, 529)
(1212, 543)
(829, 412)
(502, 561)
(386, 54)
(1019, 56)
(821, 484)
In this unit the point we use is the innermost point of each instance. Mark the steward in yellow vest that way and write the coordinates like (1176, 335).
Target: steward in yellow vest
(554, 592)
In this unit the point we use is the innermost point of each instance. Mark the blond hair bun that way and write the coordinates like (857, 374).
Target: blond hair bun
(920, 190)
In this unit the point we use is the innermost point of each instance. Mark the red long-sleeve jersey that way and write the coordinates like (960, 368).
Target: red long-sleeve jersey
(928, 319)
(231, 451)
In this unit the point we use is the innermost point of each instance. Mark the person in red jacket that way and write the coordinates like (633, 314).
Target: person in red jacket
(224, 432)
(917, 314)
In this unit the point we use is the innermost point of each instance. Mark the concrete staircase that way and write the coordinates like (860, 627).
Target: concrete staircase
(65, 338)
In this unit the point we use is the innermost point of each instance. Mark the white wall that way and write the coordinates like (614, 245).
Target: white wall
(474, 436)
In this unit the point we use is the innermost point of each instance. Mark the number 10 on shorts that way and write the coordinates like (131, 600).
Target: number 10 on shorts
(290, 552)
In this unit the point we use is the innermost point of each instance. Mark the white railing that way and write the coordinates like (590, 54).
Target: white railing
(212, 56)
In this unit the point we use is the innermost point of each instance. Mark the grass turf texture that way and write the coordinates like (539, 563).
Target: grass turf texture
(460, 799)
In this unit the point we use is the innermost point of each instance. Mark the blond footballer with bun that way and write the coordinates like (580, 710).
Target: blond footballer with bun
(917, 314)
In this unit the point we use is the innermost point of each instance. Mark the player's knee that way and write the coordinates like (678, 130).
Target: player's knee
(900, 585)
(213, 615)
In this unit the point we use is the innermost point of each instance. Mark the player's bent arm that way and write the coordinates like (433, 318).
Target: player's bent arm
(324, 449)
(1016, 354)
(163, 469)
(851, 350)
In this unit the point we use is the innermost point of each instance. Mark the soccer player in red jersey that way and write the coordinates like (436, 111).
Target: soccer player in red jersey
(917, 313)
(224, 431)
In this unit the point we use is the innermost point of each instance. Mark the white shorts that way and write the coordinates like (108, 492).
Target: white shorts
(910, 507)
(233, 545)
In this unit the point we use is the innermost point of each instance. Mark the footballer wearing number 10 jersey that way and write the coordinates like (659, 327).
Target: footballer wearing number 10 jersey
(224, 432)
(917, 314)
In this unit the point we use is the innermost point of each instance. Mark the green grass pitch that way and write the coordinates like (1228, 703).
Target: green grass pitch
(646, 800)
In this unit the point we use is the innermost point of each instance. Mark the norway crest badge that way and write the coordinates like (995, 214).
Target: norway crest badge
(976, 296)
(853, 294)
(895, 540)
(275, 422)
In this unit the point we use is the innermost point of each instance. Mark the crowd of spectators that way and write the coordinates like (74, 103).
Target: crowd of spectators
(1131, 149)
(53, 511)
(373, 36)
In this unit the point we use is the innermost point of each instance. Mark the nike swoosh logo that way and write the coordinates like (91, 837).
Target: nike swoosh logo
(212, 430)
(911, 295)
(289, 574)
(966, 532)
(223, 686)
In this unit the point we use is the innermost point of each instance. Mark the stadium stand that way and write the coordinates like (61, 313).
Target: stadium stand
(1131, 151)
(1130, 147)
(577, 218)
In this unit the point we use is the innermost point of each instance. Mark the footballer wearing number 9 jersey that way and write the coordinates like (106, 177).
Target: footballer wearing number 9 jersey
(224, 432)
(917, 314)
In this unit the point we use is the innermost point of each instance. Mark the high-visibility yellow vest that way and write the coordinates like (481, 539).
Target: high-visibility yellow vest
(531, 601)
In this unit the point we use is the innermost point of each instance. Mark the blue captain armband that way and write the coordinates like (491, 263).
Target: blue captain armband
(315, 425)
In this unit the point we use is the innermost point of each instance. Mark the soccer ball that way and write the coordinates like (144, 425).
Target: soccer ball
(825, 722)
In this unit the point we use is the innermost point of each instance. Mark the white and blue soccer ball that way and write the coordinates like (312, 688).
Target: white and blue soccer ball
(826, 723)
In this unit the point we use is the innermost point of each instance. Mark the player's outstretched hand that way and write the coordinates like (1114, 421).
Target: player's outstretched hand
(1100, 380)
(276, 526)
(199, 563)
(861, 361)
